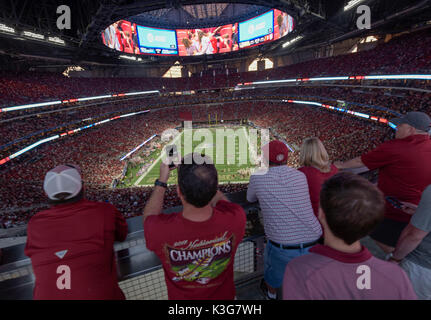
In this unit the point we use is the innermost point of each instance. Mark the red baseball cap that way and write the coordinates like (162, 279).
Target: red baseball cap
(278, 152)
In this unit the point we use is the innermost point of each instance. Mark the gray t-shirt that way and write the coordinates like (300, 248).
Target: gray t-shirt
(422, 220)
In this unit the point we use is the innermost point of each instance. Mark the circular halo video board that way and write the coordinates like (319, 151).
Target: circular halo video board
(131, 38)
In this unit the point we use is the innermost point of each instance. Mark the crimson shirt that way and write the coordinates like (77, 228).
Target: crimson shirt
(198, 257)
(404, 170)
(214, 44)
(315, 180)
(328, 274)
(84, 234)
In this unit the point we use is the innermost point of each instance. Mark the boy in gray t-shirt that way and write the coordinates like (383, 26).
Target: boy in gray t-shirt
(415, 246)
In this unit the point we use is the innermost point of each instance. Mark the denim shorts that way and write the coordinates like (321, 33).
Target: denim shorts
(420, 278)
(275, 261)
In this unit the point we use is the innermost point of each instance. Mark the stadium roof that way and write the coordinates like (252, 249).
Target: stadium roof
(200, 15)
(319, 22)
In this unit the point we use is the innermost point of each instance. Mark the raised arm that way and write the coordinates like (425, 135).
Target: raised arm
(154, 205)
(219, 196)
(351, 164)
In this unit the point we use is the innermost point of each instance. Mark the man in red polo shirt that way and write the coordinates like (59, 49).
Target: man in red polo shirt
(404, 172)
(71, 244)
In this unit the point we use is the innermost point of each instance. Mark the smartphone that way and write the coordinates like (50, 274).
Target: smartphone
(172, 154)
(394, 202)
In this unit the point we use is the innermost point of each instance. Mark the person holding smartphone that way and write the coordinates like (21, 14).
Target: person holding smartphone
(197, 246)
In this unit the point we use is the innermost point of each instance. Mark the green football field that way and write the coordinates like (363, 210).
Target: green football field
(228, 147)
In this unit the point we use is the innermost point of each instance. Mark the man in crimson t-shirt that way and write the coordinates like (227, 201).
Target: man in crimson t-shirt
(71, 244)
(404, 172)
(196, 246)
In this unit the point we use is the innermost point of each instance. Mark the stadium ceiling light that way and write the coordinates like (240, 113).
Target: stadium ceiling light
(56, 40)
(5, 28)
(33, 35)
(127, 57)
(351, 4)
(288, 43)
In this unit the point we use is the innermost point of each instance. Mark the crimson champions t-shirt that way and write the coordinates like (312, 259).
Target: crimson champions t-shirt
(198, 257)
(404, 170)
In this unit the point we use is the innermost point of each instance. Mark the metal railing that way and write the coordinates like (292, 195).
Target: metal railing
(139, 270)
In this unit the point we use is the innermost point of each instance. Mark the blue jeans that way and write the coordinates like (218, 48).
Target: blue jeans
(275, 261)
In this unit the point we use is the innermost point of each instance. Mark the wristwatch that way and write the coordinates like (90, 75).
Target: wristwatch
(390, 256)
(160, 184)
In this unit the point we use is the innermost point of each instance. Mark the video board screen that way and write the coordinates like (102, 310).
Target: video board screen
(270, 26)
(283, 24)
(194, 42)
(157, 41)
(130, 38)
(121, 36)
(256, 28)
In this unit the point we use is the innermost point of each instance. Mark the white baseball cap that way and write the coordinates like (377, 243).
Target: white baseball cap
(62, 179)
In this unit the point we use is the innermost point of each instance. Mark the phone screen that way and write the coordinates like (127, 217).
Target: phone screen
(394, 202)
(172, 154)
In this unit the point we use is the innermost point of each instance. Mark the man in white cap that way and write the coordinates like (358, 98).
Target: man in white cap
(71, 244)
(404, 173)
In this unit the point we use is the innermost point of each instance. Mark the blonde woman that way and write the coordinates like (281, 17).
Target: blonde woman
(315, 164)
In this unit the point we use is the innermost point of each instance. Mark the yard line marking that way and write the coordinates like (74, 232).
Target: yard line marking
(156, 161)
(250, 146)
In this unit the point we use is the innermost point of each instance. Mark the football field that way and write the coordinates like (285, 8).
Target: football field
(228, 147)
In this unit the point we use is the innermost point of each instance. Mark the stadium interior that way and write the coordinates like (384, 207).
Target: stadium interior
(101, 93)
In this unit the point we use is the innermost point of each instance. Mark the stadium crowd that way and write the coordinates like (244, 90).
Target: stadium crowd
(408, 53)
(350, 207)
(387, 103)
(99, 149)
